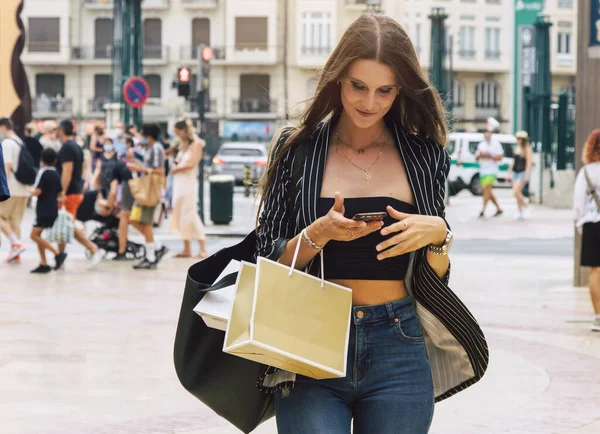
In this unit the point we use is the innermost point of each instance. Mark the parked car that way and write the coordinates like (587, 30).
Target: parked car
(464, 170)
(233, 157)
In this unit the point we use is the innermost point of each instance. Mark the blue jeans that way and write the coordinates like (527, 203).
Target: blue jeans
(388, 387)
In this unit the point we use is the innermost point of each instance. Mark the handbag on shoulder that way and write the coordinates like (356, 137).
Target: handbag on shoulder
(147, 190)
(224, 382)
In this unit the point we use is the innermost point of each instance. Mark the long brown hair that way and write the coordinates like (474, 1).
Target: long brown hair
(591, 150)
(418, 107)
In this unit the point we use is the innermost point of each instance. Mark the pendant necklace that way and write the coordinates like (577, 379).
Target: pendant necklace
(367, 172)
(363, 149)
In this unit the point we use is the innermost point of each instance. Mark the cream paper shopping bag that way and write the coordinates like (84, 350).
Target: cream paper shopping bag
(291, 320)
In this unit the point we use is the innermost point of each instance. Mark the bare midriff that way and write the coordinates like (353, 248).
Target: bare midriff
(373, 292)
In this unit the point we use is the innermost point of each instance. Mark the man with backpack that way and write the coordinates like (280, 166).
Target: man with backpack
(21, 173)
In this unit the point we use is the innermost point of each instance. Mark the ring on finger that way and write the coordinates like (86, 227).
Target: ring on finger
(349, 232)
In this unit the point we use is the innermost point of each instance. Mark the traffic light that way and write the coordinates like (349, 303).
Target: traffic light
(183, 82)
(205, 57)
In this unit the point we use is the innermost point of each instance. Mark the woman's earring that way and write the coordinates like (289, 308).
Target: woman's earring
(338, 82)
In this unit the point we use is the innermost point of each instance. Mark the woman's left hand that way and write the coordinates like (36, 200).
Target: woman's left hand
(413, 232)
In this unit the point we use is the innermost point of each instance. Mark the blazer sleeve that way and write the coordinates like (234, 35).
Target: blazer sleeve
(274, 221)
(442, 168)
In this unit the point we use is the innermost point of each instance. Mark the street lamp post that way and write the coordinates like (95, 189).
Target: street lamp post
(543, 94)
(438, 50)
(126, 53)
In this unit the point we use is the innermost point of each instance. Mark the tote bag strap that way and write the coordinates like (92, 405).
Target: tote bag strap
(293, 266)
(226, 281)
(591, 188)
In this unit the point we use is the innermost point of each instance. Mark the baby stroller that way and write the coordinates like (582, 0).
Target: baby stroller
(106, 236)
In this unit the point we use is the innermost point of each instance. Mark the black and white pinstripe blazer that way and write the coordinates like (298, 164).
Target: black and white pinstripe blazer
(456, 346)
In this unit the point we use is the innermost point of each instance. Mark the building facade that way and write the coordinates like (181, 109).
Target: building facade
(267, 54)
(563, 43)
(69, 51)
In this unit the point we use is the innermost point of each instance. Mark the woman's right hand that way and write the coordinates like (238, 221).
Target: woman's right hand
(335, 227)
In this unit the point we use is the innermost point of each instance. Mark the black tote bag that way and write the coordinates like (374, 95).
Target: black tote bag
(225, 383)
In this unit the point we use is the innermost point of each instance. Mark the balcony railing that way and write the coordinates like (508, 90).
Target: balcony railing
(148, 4)
(200, 3)
(357, 2)
(97, 52)
(45, 106)
(492, 55)
(189, 52)
(467, 54)
(315, 51)
(97, 104)
(155, 52)
(43, 47)
(487, 111)
(253, 105)
(256, 46)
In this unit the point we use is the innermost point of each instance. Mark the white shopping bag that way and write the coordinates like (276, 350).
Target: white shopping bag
(215, 306)
(288, 319)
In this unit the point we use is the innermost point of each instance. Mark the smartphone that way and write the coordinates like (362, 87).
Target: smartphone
(370, 216)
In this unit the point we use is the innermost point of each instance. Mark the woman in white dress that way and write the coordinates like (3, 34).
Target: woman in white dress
(185, 218)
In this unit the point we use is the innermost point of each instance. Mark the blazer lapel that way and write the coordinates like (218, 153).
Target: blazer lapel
(417, 170)
(312, 179)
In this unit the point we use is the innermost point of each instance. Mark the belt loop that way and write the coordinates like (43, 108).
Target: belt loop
(390, 311)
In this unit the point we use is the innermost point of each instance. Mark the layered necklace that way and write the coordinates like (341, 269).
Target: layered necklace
(366, 172)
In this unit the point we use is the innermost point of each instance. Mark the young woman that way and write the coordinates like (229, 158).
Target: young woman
(372, 141)
(520, 170)
(587, 214)
(185, 218)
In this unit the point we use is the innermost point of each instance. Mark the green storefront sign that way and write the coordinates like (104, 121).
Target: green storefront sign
(526, 12)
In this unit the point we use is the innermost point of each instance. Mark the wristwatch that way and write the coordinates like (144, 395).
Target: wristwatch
(444, 248)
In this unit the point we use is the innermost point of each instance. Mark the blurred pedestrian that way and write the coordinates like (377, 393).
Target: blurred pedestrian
(154, 163)
(119, 179)
(96, 144)
(587, 215)
(32, 144)
(12, 210)
(104, 167)
(520, 171)
(70, 166)
(48, 190)
(50, 137)
(185, 218)
(489, 154)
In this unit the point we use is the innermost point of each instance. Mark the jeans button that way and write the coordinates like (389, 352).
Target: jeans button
(360, 314)
(395, 319)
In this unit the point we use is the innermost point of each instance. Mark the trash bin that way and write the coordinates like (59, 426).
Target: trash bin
(221, 198)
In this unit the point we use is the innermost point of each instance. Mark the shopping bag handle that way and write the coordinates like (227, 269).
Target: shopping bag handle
(226, 281)
(293, 266)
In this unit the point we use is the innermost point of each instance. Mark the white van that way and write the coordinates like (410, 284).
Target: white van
(464, 171)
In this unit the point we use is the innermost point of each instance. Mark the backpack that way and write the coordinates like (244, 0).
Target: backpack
(26, 171)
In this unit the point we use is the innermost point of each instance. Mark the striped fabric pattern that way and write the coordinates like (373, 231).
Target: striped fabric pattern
(63, 229)
(456, 345)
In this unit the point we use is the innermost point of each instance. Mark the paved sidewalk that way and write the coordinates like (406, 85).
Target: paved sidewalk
(91, 351)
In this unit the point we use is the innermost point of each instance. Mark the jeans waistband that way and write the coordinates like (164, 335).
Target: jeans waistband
(383, 312)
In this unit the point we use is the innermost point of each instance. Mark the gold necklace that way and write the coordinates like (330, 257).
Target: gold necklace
(360, 150)
(367, 174)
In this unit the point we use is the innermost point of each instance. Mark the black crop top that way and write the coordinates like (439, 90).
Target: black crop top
(357, 259)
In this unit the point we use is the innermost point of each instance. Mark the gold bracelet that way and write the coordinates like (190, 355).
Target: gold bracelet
(310, 242)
